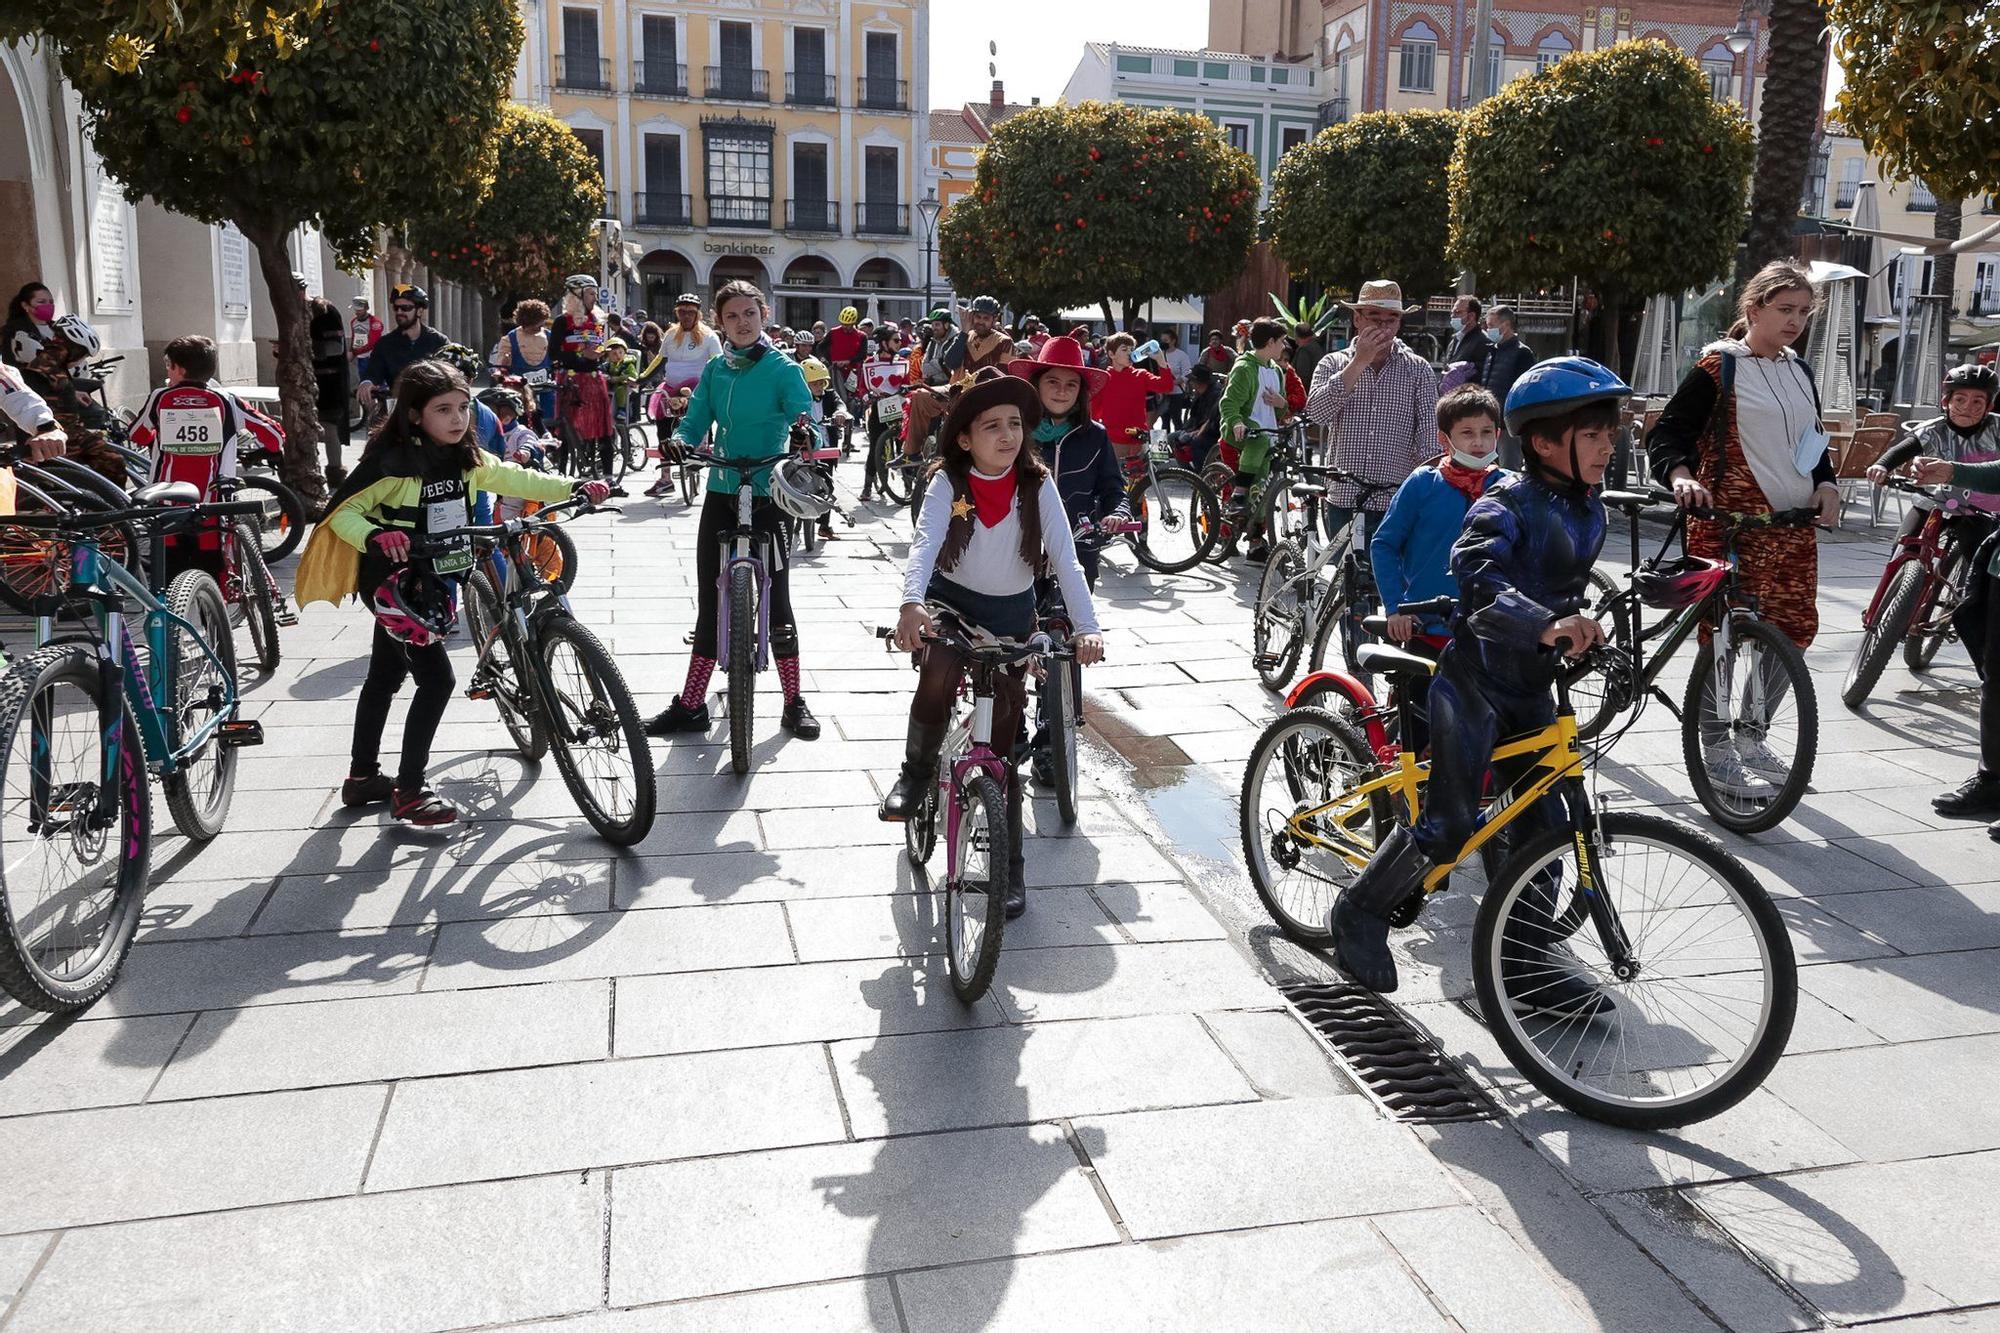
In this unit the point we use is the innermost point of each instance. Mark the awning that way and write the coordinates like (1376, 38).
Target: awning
(1160, 310)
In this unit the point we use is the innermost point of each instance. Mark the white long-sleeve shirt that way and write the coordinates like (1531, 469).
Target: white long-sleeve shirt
(22, 405)
(992, 564)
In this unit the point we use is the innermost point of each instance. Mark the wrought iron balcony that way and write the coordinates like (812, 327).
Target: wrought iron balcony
(873, 94)
(813, 215)
(810, 89)
(881, 219)
(657, 209)
(589, 73)
(659, 78)
(736, 83)
(1333, 111)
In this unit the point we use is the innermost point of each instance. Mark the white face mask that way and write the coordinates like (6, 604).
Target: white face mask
(1479, 461)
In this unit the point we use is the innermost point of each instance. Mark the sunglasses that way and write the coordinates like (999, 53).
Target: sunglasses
(404, 309)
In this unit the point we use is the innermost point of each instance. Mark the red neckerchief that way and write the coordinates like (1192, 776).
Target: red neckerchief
(993, 498)
(1467, 481)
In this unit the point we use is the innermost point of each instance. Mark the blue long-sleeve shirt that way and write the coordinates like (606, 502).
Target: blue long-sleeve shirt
(1411, 549)
(1522, 563)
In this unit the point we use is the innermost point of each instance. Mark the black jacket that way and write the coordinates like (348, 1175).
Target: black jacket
(1507, 362)
(394, 353)
(1474, 346)
(1087, 472)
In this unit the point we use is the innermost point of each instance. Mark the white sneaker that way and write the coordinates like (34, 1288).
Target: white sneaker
(1728, 775)
(1759, 758)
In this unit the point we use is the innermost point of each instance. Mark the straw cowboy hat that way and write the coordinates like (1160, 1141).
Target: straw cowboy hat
(1381, 294)
(989, 389)
(1060, 354)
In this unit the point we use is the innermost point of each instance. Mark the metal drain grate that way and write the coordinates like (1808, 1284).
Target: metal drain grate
(1394, 1060)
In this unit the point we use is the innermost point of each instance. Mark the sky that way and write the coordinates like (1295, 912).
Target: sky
(1042, 40)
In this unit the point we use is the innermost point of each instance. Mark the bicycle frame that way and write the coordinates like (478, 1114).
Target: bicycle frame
(976, 756)
(742, 545)
(1925, 545)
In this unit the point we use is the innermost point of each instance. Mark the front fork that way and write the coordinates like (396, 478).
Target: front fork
(1588, 833)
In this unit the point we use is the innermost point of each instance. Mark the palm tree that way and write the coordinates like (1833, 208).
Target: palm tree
(1794, 86)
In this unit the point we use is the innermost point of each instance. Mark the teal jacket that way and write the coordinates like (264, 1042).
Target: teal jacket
(752, 411)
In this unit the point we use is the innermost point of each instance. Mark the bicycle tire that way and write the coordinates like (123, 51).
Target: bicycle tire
(690, 482)
(610, 710)
(1059, 715)
(1920, 650)
(1798, 682)
(257, 594)
(1283, 521)
(1222, 541)
(1286, 737)
(1562, 1079)
(632, 446)
(1596, 699)
(551, 552)
(1275, 638)
(1200, 521)
(742, 665)
(283, 523)
(198, 798)
(22, 974)
(614, 471)
(1336, 617)
(897, 482)
(976, 912)
(1880, 640)
(520, 712)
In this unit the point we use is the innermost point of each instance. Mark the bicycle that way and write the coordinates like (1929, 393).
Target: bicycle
(1695, 983)
(555, 685)
(1293, 600)
(821, 461)
(1920, 588)
(1748, 761)
(743, 616)
(1180, 518)
(971, 795)
(882, 414)
(1059, 684)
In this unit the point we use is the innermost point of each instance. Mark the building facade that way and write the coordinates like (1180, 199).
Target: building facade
(780, 141)
(955, 137)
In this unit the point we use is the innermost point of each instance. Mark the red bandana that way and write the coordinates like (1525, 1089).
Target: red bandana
(1467, 481)
(993, 498)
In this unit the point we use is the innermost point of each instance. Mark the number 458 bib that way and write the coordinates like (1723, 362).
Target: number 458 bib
(190, 419)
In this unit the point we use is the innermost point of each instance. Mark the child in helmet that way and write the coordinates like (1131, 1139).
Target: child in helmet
(1522, 564)
(416, 477)
(621, 371)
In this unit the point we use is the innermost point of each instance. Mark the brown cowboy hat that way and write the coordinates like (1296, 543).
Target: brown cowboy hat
(989, 388)
(1060, 354)
(1381, 294)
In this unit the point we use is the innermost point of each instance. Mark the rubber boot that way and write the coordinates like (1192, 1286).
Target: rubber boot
(1361, 915)
(1016, 901)
(1537, 978)
(920, 758)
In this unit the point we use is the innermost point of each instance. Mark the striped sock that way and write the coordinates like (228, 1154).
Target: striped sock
(695, 692)
(788, 676)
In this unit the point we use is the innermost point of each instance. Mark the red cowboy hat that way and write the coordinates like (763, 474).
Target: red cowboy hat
(1061, 354)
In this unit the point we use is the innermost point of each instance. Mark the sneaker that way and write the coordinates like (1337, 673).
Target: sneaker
(799, 720)
(372, 789)
(1764, 763)
(422, 807)
(617, 493)
(1728, 774)
(1978, 797)
(1257, 554)
(679, 717)
(660, 487)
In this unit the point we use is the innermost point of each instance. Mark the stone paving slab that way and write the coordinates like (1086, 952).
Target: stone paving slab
(427, 895)
(1478, 1274)
(102, 1063)
(1882, 1101)
(866, 1306)
(608, 944)
(178, 977)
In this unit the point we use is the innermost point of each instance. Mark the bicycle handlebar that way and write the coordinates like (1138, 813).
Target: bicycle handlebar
(950, 630)
(737, 464)
(1783, 518)
(510, 527)
(151, 515)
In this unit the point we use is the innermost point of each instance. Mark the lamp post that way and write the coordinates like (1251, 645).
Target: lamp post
(928, 209)
(1742, 35)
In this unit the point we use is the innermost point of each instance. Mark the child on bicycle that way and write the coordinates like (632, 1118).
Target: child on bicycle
(1119, 402)
(416, 478)
(992, 521)
(1523, 569)
(1253, 399)
(192, 427)
(1411, 549)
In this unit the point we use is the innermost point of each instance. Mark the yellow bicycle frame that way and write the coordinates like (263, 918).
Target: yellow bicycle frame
(1557, 757)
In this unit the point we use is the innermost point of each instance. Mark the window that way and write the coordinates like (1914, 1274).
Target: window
(880, 55)
(1850, 182)
(1419, 59)
(1897, 275)
(1720, 67)
(1921, 198)
(1211, 69)
(1281, 76)
(881, 187)
(1343, 65)
(812, 209)
(1256, 74)
(1985, 287)
(1238, 134)
(880, 88)
(737, 49)
(1291, 136)
(738, 161)
(811, 84)
(1551, 49)
(664, 201)
(659, 44)
(1135, 64)
(1184, 69)
(578, 64)
(594, 141)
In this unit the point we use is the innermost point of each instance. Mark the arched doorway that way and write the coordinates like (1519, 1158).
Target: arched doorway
(20, 242)
(799, 300)
(664, 275)
(731, 268)
(884, 282)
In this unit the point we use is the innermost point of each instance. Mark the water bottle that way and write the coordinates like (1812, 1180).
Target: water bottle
(1147, 350)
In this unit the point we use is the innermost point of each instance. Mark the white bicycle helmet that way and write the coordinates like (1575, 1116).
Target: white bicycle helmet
(74, 330)
(579, 283)
(801, 490)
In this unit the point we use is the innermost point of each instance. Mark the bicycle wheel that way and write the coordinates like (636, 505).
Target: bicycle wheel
(73, 882)
(1278, 627)
(1284, 515)
(596, 733)
(690, 482)
(497, 675)
(975, 895)
(1179, 519)
(1222, 537)
(1750, 728)
(1684, 1031)
(613, 468)
(257, 595)
(632, 446)
(1059, 715)
(283, 521)
(1893, 617)
(1305, 759)
(742, 665)
(1339, 624)
(551, 553)
(1596, 696)
(896, 480)
(198, 792)
(1944, 592)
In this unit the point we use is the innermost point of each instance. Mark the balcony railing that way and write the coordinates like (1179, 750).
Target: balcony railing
(1923, 203)
(592, 73)
(873, 94)
(1844, 196)
(813, 215)
(739, 210)
(736, 83)
(881, 219)
(1333, 111)
(659, 78)
(810, 89)
(657, 209)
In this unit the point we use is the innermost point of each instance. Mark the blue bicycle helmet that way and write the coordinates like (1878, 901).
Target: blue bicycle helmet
(1558, 386)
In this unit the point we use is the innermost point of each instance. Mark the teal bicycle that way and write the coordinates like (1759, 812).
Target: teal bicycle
(84, 718)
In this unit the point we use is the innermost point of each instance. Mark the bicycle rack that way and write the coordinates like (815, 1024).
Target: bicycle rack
(1406, 1074)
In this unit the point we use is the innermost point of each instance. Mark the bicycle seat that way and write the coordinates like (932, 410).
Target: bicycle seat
(167, 493)
(1630, 501)
(1392, 661)
(1308, 489)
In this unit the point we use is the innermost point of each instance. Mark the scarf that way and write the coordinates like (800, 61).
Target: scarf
(992, 497)
(745, 357)
(1467, 481)
(1049, 429)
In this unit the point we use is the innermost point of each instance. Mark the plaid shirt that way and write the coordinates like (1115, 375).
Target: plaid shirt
(1384, 427)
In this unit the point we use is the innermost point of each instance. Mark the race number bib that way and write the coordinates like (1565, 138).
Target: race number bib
(191, 430)
(444, 520)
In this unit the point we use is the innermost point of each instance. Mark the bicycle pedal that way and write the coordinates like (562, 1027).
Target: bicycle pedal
(479, 692)
(240, 732)
(287, 616)
(1265, 661)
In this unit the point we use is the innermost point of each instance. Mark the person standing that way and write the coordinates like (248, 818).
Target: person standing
(1120, 405)
(1217, 356)
(1179, 363)
(523, 353)
(1376, 399)
(1307, 351)
(328, 334)
(583, 397)
(412, 340)
(1507, 362)
(364, 330)
(1469, 343)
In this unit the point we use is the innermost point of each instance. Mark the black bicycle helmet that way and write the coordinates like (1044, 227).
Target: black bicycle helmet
(1972, 376)
(409, 291)
(499, 400)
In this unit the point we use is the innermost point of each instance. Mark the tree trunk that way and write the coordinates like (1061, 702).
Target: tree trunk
(1132, 313)
(1947, 224)
(1794, 85)
(298, 390)
(1104, 304)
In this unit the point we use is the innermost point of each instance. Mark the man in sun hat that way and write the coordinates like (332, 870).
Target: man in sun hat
(1376, 400)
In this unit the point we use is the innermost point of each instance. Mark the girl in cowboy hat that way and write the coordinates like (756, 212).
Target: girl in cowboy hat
(992, 521)
(1075, 448)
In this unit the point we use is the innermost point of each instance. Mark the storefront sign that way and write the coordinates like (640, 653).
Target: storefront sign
(737, 248)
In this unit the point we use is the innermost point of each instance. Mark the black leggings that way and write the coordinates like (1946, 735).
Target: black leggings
(389, 664)
(718, 511)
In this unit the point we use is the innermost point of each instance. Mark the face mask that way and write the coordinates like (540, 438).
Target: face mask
(1457, 324)
(43, 311)
(1493, 335)
(1476, 461)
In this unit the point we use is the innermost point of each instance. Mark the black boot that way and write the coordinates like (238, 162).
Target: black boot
(1361, 915)
(1538, 979)
(920, 759)
(1017, 855)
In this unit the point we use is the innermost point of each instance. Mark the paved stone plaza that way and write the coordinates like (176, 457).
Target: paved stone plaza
(357, 1077)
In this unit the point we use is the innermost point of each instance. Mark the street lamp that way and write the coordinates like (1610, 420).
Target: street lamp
(1740, 37)
(928, 209)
